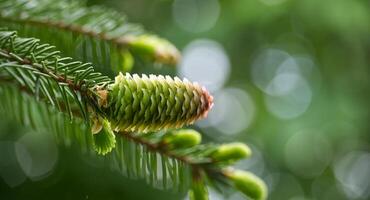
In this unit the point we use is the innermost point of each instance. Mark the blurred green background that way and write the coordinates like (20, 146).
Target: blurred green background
(290, 78)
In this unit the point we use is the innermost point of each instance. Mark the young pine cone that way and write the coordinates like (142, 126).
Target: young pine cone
(146, 104)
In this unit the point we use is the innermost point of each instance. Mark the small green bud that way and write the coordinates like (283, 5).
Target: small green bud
(104, 140)
(231, 152)
(153, 48)
(249, 184)
(127, 60)
(146, 104)
(198, 191)
(182, 138)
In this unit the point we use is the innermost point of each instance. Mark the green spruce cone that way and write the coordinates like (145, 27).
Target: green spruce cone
(146, 104)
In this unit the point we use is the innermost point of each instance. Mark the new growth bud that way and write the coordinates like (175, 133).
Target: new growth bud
(248, 183)
(152, 103)
(154, 48)
(183, 138)
(104, 140)
(198, 191)
(231, 152)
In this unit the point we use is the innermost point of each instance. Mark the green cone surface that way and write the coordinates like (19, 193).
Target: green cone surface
(152, 103)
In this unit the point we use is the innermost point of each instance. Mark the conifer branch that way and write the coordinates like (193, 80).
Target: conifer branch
(130, 120)
(130, 103)
(166, 159)
(111, 40)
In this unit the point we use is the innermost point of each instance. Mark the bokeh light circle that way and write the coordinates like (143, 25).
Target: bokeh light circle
(286, 187)
(282, 77)
(353, 173)
(10, 172)
(266, 64)
(308, 153)
(37, 154)
(205, 62)
(232, 113)
(293, 100)
(196, 15)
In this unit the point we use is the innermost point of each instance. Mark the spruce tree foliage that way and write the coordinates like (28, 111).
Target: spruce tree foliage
(91, 34)
(134, 121)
